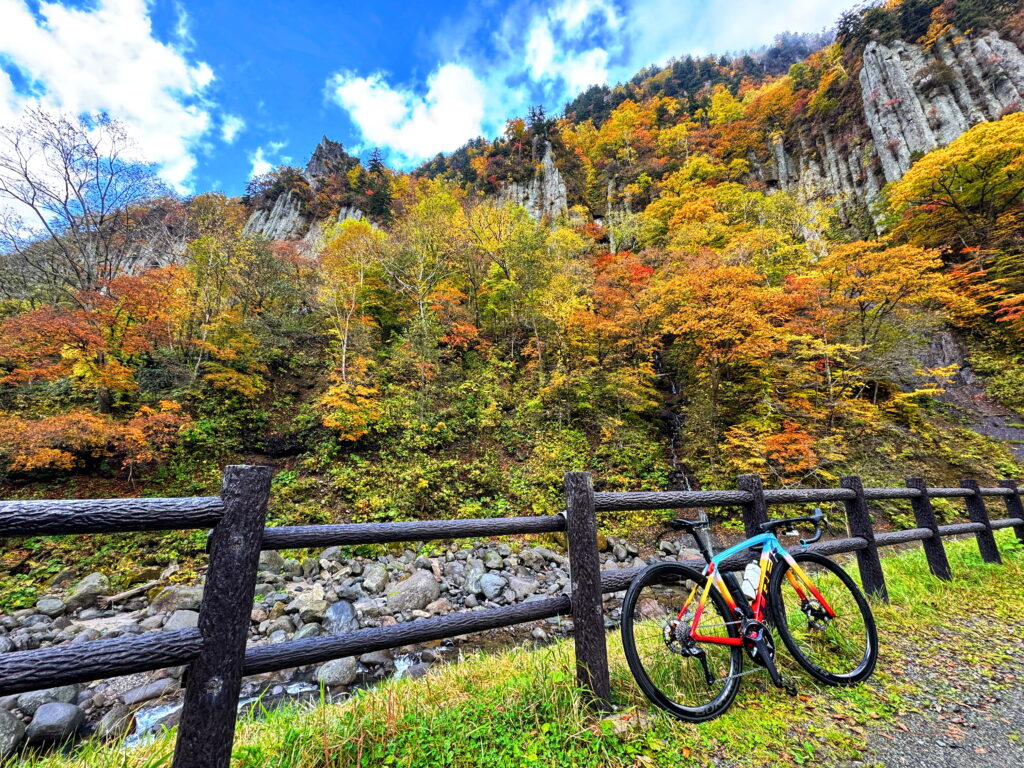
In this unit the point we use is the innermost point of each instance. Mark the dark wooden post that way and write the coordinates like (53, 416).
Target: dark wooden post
(214, 680)
(978, 514)
(859, 518)
(924, 516)
(585, 577)
(756, 512)
(1013, 507)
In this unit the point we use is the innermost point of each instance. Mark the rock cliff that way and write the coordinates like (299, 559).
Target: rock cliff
(914, 99)
(545, 195)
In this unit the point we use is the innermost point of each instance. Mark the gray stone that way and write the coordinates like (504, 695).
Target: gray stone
(619, 552)
(12, 731)
(307, 630)
(31, 701)
(314, 610)
(6, 644)
(375, 578)
(440, 606)
(491, 584)
(85, 592)
(182, 620)
(368, 607)
(522, 588)
(179, 597)
(55, 723)
(340, 617)
(280, 624)
(150, 691)
(376, 658)
(492, 560)
(271, 561)
(338, 672)
(50, 606)
(117, 723)
(152, 622)
(414, 593)
(473, 576)
(545, 195)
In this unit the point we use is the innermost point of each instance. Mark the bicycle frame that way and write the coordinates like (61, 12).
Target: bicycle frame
(770, 550)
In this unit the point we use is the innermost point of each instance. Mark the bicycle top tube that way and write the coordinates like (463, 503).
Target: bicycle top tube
(754, 541)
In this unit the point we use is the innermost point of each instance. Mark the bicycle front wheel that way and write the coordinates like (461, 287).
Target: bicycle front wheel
(692, 680)
(832, 633)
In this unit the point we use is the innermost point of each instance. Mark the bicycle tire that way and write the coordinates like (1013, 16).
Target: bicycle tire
(799, 634)
(664, 574)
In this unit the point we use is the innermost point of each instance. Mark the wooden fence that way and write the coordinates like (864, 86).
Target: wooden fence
(218, 659)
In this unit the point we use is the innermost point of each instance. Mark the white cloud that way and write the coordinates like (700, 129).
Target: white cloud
(230, 127)
(268, 157)
(413, 127)
(549, 54)
(106, 59)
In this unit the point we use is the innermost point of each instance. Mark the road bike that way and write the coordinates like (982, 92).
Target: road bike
(686, 632)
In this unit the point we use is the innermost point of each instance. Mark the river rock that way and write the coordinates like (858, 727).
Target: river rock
(491, 584)
(180, 597)
(150, 691)
(31, 701)
(492, 560)
(473, 576)
(6, 644)
(340, 617)
(271, 561)
(440, 606)
(55, 723)
(51, 606)
(117, 723)
(414, 593)
(314, 610)
(375, 578)
(533, 558)
(522, 588)
(12, 730)
(85, 592)
(338, 672)
(307, 630)
(182, 620)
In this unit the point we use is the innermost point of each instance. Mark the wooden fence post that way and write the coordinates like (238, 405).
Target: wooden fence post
(978, 514)
(1014, 508)
(214, 680)
(924, 516)
(859, 518)
(585, 577)
(756, 512)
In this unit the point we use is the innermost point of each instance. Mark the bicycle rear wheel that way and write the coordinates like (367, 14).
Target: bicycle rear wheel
(839, 649)
(665, 662)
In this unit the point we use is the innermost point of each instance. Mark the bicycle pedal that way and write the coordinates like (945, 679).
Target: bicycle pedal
(789, 688)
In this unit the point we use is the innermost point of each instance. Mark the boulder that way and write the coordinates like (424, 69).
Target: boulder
(473, 576)
(182, 620)
(492, 560)
(522, 588)
(117, 723)
(337, 672)
(375, 578)
(271, 561)
(12, 731)
(31, 701)
(55, 723)
(150, 691)
(533, 558)
(340, 617)
(50, 606)
(306, 631)
(314, 610)
(179, 597)
(491, 584)
(85, 592)
(414, 593)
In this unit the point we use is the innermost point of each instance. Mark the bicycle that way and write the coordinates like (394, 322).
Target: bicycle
(689, 660)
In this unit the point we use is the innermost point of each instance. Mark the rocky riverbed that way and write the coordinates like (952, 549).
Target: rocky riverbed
(326, 594)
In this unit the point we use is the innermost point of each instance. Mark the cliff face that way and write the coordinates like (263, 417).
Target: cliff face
(545, 195)
(914, 100)
(282, 222)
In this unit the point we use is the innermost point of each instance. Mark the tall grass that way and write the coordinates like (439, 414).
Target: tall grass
(521, 707)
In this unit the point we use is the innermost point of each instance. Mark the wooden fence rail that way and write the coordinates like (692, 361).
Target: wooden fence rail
(216, 652)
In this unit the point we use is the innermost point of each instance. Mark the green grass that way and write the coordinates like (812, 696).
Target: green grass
(520, 708)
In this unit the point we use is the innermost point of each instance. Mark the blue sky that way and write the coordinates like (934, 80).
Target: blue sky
(212, 91)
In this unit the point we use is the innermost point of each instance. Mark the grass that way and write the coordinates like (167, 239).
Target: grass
(520, 707)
